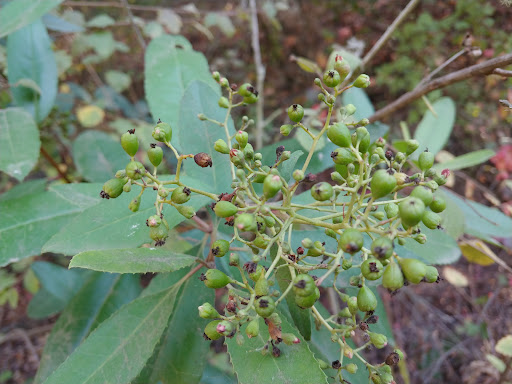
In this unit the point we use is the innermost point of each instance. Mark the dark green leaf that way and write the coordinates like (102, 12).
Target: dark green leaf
(19, 142)
(30, 56)
(132, 260)
(17, 14)
(97, 156)
(467, 160)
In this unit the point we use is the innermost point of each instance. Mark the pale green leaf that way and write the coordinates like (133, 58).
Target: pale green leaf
(118, 80)
(56, 23)
(288, 166)
(101, 21)
(504, 346)
(19, 142)
(467, 160)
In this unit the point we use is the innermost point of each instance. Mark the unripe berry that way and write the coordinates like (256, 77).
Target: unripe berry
(252, 98)
(352, 305)
(426, 160)
(220, 247)
(420, 238)
(442, 178)
(216, 76)
(393, 278)
(372, 269)
(265, 306)
(298, 175)
(307, 301)
(210, 331)
(253, 328)
(342, 67)
(339, 135)
(225, 209)
(286, 129)
(155, 155)
(261, 287)
(207, 311)
(272, 185)
(260, 178)
(382, 247)
(413, 270)
(224, 83)
(290, 339)
(351, 368)
(130, 142)
(432, 274)
(260, 242)
(336, 177)
(303, 285)
(431, 220)
(153, 221)
(134, 204)
(411, 146)
(221, 146)
(245, 90)
(112, 188)
(351, 241)
(382, 183)
(242, 138)
(225, 328)
(213, 278)
(162, 132)
(391, 210)
(322, 191)
(342, 156)
(257, 273)
(186, 210)
(366, 300)
(307, 243)
(362, 81)
(246, 222)
(317, 249)
(363, 136)
(332, 78)
(424, 194)
(234, 259)
(411, 211)
(223, 102)
(158, 234)
(135, 170)
(346, 264)
(438, 204)
(378, 340)
(180, 195)
(295, 112)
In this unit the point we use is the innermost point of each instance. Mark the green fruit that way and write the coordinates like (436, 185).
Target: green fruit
(155, 155)
(260, 242)
(207, 311)
(245, 90)
(411, 211)
(253, 328)
(261, 287)
(382, 183)
(413, 270)
(298, 175)
(134, 204)
(290, 339)
(246, 222)
(225, 328)
(352, 305)
(339, 135)
(130, 142)
(225, 209)
(322, 191)
(432, 274)
(351, 241)
(162, 132)
(440, 179)
(412, 145)
(431, 220)
(153, 221)
(351, 368)
(382, 247)
(158, 234)
(135, 170)
(223, 102)
(272, 185)
(332, 78)
(180, 195)
(317, 249)
(346, 264)
(303, 285)
(424, 194)
(342, 156)
(220, 247)
(251, 99)
(265, 306)
(221, 147)
(362, 81)
(234, 259)
(186, 210)
(210, 330)
(307, 301)
(366, 300)
(363, 136)
(242, 138)
(372, 269)
(112, 188)
(391, 210)
(379, 215)
(213, 278)
(342, 67)
(438, 204)
(286, 129)
(295, 112)
(248, 152)
(257, 274)
(260, 177)
(426, 160)
(378, 340)
(393, 278)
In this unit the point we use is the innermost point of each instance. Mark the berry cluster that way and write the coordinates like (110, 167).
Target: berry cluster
(361, 210)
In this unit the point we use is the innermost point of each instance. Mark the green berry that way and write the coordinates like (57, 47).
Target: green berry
(180, 195)
(134, 204)
(130, 142)
(128, 186)
(251, 99)
(213, 278)
(260, 242)
(322, 191)
(339, 135)
(242, 138)
(162, 132)
(286, 129)
(411, 146)
(413, 270)
(382, 183)
(155, 155)
(363, 136)
(113, 188)
(158, 234)
(346, 264)
(342, 156)
(221, 147)
(265, 306)
(351, 368)
(295, 112)
(307, 301)
(290, 339)
(317, 249)
(246, 90)
(303, 285)
(210, 331)
(260, 177)
(382, 247)
(207, 311)
(186, 210)
(257, 273)
(438, 204)
(351, 241)
(261, 287)
(431, 220)
(393, 278)
(441, 179)
(223, 102)
(342, 67)
(366, 300)
(391, 210)
(378, 340)
(298, 175)
(272, 185)
(135, 170)
(424, 194)
(352, 305)
(246, 222)
(411, 211)
(225, 328)
(372, 269)
(426, 160)
(332, 78)
(253, 328)
(248, 152)
(225, 209)
(362, 81)
(220, 247)
(432, 274)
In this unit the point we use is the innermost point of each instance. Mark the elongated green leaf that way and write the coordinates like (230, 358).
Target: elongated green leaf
(100, 297)
(118, 349)
(111, 225)
(27, 222)
(58, 286)
(170, 65)
(132, 260)
(19, 142)
(296, 364)
(30, 56)
(17, 14)
(199, 97)
(466, 160)
(97, 156)
(433, 132)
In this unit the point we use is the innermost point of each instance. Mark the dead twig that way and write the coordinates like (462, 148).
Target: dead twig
(47, 156)
(140, 39)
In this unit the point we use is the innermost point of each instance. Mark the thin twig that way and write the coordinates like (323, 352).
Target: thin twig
(481, 69)
(203, 226)
(502, 72)
(47, 156)
(140, 39)
(260, 73)
(444, 65)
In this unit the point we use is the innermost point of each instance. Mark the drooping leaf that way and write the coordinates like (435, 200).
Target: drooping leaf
(19, 142)
(58, 287)
(296, 364)
(467, 160)
(119, 347)
(97, 156)
(132, 260)
(100, 296)
(170, 66)
(28, 221)
(199, 97)
(17, 14)
(433, 132)
(30, 56)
